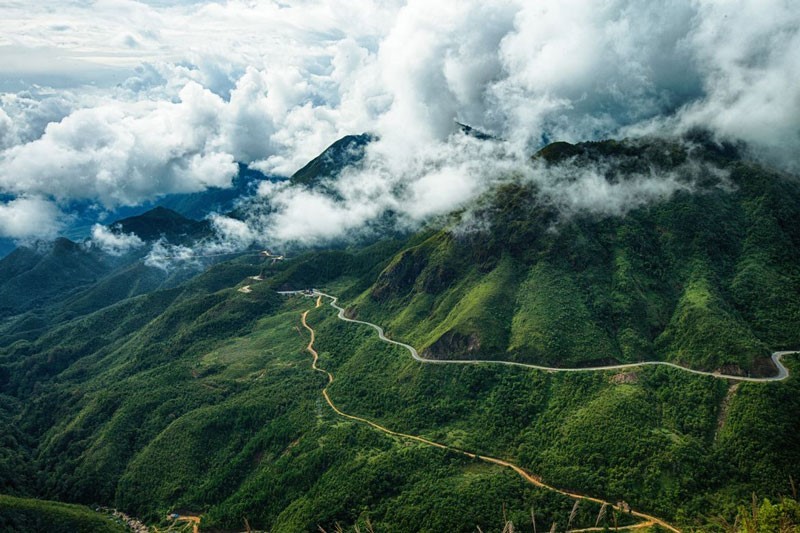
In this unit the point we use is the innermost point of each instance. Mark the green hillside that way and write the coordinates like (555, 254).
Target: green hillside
(151, 394)
(24, 515)
(32, 277)
(707, 279)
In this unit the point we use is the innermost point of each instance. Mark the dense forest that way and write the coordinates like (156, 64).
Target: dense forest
(150, 392)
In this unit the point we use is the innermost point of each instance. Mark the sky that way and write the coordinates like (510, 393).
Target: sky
(119, 102)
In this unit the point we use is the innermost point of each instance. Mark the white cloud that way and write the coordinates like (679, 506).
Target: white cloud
(308, 217)
(29, 218)
(231, 238)
(750, 71)
(113, 243)
(272, 84)
(124, 154)
(165, 256)
(6, 133)
(579, 189)
(440, 192)
(438, 178)
(237, 235)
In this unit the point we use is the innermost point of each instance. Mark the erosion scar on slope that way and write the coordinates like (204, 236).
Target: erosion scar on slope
(527, 476)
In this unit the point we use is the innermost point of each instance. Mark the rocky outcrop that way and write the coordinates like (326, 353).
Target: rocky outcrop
(453, 345)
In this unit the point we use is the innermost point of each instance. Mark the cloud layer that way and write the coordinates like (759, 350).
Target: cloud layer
(113, 242)
(26, 218)
(183, 90)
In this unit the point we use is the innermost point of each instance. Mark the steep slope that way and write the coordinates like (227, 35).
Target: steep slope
(705, 278)
(347, 151)
(22, 515)
(35, 277)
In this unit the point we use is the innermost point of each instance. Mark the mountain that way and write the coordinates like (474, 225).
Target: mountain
(6, 246)
(705, 278)
(33, 277)
(37, 276)
(347, 151)
(472, 132)
(161, 222)
(197, 391)
(198, 205)
(47, 284)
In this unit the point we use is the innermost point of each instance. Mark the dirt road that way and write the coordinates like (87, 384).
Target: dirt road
(527, 476)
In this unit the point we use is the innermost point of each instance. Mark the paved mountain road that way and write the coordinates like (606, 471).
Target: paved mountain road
(648, 520)
(783, 372)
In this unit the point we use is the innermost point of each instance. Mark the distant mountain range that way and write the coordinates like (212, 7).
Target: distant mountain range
(192, 205)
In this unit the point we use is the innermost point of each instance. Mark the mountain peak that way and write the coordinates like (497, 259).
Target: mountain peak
(160, 212)
(348, 150)
(468, 130)
(162, 222)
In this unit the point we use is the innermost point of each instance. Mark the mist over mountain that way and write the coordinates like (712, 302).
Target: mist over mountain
(180, 121)
(135, 353)
(327, 265)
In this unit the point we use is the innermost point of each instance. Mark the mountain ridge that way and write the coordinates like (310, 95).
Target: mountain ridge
(195, 393)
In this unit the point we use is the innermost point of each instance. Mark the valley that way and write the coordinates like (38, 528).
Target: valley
(516, 370)
(527, 476)
(399, 266)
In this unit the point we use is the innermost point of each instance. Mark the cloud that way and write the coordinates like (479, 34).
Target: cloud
(6, 132)
(233, 234)
(113, 243)
(747, 54)
(308, 217)
(166, 257)
(271, 84)
(22, 66)
(231, 237)
(124, 155)
(385, 185)
(582, 188)
(29, 217)
(29, 112)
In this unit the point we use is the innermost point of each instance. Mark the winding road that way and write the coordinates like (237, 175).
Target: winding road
(648, 520)
(782, 374)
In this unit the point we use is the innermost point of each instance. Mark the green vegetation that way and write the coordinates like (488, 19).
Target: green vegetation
(654, 441)
(25, 515)
(702, 331)
(151, 391)
(706, 279)
(764, 516)
(553, 318)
